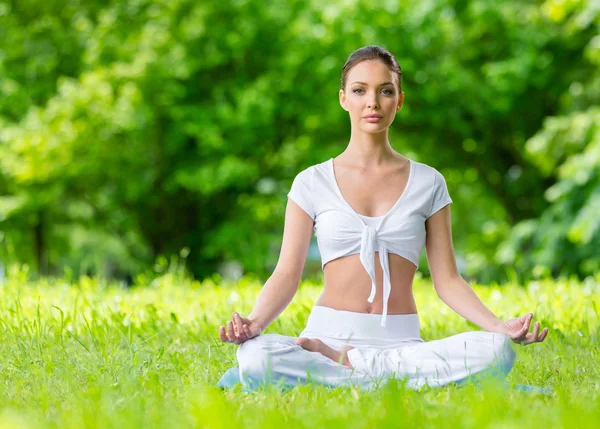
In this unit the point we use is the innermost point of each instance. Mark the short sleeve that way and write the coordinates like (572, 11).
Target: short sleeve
(301, 191)
(440, 196)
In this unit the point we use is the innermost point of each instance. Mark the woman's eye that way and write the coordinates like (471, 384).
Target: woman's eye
(390, 92)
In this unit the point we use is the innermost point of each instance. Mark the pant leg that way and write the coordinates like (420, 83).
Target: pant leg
(277, 359)
(439, 362)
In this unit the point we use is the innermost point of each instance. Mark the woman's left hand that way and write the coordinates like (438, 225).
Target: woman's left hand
(518, 330)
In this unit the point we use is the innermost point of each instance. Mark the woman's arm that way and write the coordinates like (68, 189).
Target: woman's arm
(275, 295)
(279, 290)
(448, 283)
(458, 294)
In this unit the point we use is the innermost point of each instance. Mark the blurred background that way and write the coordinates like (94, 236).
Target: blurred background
(139, 133)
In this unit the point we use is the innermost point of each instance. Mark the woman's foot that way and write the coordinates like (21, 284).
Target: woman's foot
(315, 345)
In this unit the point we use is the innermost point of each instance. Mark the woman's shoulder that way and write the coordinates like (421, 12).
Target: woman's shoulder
(426, 169)
(315, 171)
(423, 166)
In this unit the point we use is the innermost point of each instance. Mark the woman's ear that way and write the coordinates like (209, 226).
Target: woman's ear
(400, 101)
(343, 100)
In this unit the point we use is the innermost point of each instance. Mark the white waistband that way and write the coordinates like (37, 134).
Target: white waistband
(344, 324)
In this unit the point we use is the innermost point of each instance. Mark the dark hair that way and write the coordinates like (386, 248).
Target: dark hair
(372, 52)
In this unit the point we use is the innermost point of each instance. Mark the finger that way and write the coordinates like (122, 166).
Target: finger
(239, 330)
(222, 335)
(236, 337)
(234, 324)
(230, 333)
(516, 340)
(532, 337)
(243, 335)
(249, 332)
(536, 332)
(522, 337)
(224, 332)
(543, 336)
(527, 322)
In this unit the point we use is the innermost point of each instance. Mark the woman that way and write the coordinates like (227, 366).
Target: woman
(372, 211)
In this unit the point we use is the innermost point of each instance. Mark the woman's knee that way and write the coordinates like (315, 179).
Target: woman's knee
(252, 356)
(494, 350)
(504, 355)
(255, 355)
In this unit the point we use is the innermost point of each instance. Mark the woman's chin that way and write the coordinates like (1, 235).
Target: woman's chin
(374, 128)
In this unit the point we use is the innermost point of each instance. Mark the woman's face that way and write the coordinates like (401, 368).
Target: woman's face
(371, 89)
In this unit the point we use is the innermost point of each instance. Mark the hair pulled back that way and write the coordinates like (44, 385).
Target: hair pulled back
(372, 52)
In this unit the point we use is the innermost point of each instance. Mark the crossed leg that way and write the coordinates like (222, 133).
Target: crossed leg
(438, 362)
(272, 357)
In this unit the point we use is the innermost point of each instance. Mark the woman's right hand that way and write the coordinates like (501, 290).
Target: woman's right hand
(239, 330)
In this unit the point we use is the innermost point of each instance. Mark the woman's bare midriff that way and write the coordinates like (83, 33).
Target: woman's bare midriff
(347, 286)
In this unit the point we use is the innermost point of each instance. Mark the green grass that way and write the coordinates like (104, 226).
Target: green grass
(90, 354)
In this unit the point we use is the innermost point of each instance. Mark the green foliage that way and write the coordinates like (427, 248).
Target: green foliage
(565, 238)
(134, 129)
(94, 354)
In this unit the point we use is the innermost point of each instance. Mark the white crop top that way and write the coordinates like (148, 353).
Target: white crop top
(340, 231)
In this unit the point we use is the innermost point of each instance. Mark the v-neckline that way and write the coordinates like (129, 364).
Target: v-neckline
(396, 204)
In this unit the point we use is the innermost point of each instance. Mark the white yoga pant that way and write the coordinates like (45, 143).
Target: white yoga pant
(394, 351)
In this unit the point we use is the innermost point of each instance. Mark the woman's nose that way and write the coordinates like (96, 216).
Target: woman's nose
(372, 102)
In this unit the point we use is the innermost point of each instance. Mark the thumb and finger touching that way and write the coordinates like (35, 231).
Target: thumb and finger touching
(523, 336)
(238, 330)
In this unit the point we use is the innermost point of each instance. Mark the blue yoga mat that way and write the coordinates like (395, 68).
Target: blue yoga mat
(232, 377)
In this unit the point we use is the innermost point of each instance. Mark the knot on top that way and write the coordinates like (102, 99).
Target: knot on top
(369, 237)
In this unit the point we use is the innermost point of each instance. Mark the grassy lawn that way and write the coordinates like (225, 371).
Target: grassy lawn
(89, 354)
